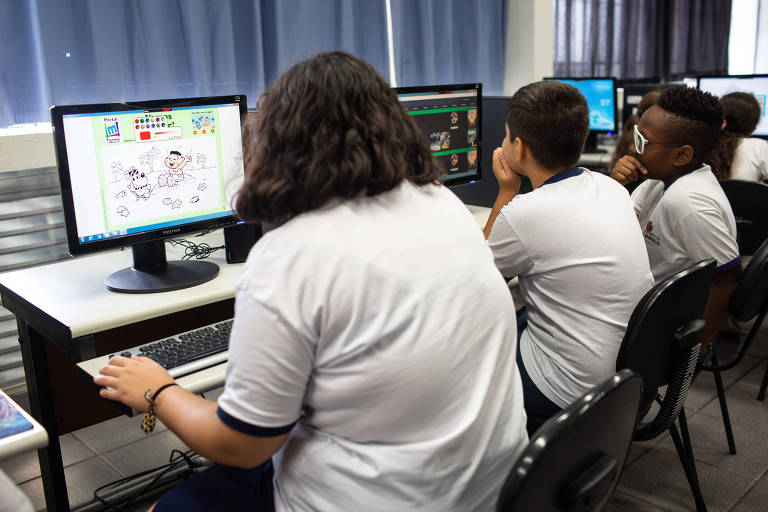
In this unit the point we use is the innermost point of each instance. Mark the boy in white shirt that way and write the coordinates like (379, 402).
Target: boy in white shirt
(681, 207)
(573, 242)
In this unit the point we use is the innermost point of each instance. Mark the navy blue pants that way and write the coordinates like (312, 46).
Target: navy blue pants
(223, 489)
(536, 404)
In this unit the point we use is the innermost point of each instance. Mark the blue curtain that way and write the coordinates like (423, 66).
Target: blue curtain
(93, 51)
(450, 41)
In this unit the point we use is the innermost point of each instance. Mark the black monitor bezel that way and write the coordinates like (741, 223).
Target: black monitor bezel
(75, 247)
(616, 121)
(739, 77)
(457, 87)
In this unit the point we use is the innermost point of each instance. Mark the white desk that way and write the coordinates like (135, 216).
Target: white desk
(66, 315)
(31, 439)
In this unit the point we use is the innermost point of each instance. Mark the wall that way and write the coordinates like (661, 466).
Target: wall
(530, 43)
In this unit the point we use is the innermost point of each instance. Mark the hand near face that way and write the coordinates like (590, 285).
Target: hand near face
(628, 169)
(127, 380)
(507, 178)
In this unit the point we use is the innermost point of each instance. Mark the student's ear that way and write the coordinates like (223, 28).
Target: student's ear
(520, 149)
(684, 155)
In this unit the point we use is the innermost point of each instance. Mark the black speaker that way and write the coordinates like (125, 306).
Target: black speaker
(239, 239)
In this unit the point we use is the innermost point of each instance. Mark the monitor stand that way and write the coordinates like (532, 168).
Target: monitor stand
(151, 272)
(590, 146)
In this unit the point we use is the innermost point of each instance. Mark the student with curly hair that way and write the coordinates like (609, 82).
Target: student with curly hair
(682, 210)
(739, 156)
(372, 355)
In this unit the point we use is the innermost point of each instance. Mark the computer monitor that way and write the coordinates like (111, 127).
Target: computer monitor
(134, 174)
(755, 84)
(450, 118)
(634, 92)
(600, 93)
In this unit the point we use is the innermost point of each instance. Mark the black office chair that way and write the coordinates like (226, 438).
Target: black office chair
(574, 460)
(749, 201)
(662, 345)
(750, 300)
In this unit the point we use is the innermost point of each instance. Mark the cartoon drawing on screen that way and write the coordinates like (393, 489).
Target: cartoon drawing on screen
(189, 170)
(454, 117)
(175, 164)
(454, 160)
(171, 202)
(138, 183)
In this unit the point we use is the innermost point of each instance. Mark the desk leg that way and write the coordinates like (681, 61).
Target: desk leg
(41, 402)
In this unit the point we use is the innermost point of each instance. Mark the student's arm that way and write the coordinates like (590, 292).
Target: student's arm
(628, 169)
(716, 312)
(509, 186)
(192, 418)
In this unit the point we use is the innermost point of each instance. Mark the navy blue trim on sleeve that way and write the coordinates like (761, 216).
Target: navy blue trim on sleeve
(251, 430)
(729, 265)
(563, 175)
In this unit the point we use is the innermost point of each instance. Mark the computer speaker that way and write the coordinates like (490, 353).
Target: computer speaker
(239, 239)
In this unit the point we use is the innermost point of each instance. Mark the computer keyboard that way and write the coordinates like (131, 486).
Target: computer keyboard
(180, 354)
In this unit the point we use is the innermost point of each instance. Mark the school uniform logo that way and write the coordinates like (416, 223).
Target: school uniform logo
(650, 236)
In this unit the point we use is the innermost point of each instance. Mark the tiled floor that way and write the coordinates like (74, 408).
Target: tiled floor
(652, 481)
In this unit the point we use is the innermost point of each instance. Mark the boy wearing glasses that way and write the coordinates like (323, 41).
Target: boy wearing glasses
(683, 212)
(573, 242)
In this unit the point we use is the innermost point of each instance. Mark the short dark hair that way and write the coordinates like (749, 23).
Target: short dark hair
(330, 127)
(552, 118)
(698, 117)
(175, 153)
(741, 111)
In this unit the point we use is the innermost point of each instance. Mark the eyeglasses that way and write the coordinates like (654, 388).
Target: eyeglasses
(641, 142)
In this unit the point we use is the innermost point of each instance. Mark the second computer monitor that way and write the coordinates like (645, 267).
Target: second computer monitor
(754, 84)
(600, 93)
(450, 118)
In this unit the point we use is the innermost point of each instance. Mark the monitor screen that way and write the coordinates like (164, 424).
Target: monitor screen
(755, 84)
(133, 174)
(450, 119)
(601, 98)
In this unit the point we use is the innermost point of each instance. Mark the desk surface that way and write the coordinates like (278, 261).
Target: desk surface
(31, 439)
(72, 292)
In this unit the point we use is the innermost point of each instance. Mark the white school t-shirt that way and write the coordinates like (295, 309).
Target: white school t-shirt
(750, 161)
(575, 244)
(382, 326)
(690, 221)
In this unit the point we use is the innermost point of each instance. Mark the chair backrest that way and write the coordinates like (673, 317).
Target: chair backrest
(663, 335)
(749, 202)
(574, 460)
(751, 296)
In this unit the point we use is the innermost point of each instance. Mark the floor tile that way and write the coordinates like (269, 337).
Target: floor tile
(82, 479)
(710, 446)
(755, 499)
(621, 502)
(754, 378)
(111, 434)
(25, 466)
(34, 489)
(743, 408)
(658, 478)
(85, 477)
(145, 454)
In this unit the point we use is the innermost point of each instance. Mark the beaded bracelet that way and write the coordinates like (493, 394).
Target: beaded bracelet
(149, 420)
